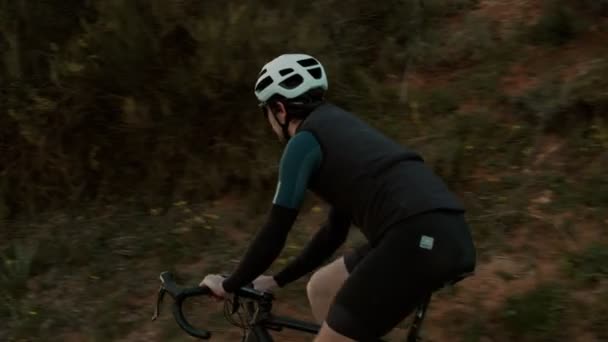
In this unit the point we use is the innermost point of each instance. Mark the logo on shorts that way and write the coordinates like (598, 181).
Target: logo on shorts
(426, 242)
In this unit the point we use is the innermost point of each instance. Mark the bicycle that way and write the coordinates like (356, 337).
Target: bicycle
(258, 310)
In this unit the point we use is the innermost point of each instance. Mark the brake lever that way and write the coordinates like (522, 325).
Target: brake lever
(159, 300)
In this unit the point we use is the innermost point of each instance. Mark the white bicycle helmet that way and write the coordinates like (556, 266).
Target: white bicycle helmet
(290, 75)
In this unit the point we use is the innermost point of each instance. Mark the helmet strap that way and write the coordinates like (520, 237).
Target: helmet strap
(285, 126)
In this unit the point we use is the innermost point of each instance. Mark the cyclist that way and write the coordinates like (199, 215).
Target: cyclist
(417, 236)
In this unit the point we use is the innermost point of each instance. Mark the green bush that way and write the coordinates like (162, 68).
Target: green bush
(599, 318)
(442, 101)
(591, 265)
(15, 269)
(536, 315)
(561, 106)
(559, 23)
(154, 100)
(594, 7)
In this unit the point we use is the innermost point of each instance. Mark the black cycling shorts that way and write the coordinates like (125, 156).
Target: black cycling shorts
(387, 281)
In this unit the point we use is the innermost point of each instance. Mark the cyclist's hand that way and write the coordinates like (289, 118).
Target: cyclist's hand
(264, 283)
(214, 283)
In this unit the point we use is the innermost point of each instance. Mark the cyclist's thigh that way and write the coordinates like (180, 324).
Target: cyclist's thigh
(332, 276)
(382, 290)
(329, 277)
(354, 257)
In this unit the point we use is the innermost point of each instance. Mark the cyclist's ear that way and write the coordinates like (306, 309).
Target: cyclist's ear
(279, 110)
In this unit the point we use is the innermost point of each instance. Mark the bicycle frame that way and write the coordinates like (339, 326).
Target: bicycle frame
(260, 318)
(263, 320)
(259, 331)
(277, 323)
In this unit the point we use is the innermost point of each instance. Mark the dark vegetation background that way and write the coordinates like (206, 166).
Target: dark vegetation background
(130, 143)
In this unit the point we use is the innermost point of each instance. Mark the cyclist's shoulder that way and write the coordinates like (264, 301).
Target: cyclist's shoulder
(328, 114)
(327, 108)
(303, 141)
(302, 148)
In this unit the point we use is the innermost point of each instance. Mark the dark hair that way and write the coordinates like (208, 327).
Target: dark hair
(299, 107)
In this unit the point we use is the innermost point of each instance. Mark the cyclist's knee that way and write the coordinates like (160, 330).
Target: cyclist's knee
(324, 283)
(316, 290)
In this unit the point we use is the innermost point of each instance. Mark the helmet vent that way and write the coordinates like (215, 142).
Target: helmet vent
(292, 82)
(285, 71)
(308, 62)
(262, 72)
(316, 73)
(264, 84)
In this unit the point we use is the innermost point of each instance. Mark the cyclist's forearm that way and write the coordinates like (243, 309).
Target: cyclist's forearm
(265, 248)
(325, 242)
